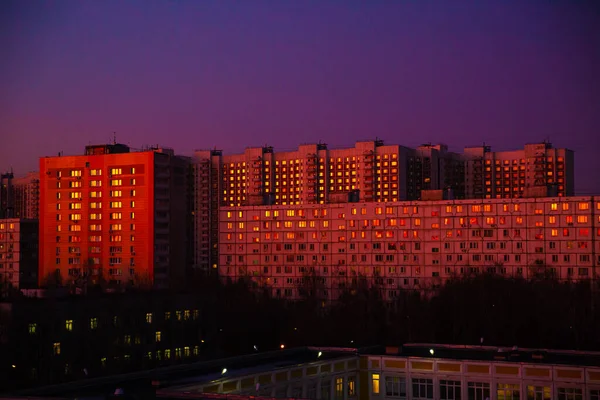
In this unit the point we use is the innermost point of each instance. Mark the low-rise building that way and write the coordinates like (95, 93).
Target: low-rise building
(59, 340)
(413, 371)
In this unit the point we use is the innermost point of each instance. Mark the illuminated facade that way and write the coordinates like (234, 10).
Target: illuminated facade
(312, 174)
(115, 214)
(293, 250)
(416, 372)
(18, 253)
(370, 172)
(529, 172)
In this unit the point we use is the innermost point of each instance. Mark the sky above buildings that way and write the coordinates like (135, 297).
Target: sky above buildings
(232, 74)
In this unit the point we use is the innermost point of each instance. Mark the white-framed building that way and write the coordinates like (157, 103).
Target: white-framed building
(411, 372)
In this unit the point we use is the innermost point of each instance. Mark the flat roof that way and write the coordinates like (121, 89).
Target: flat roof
(174, 379)
(495, 353)
(263, 362)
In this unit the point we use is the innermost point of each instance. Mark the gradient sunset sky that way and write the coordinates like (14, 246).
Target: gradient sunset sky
(231, 74)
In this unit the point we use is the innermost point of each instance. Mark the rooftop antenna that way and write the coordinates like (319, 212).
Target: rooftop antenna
(114, 137)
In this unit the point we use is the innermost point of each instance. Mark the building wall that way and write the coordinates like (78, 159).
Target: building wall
(368, 172)
(53, 341)
(312, 174)
(512, 174)
(97, 212)
(393, 377)
(7, 203)
(495, 380)
(407, 245)
(27, 196)
(18, 253)
(320, 379)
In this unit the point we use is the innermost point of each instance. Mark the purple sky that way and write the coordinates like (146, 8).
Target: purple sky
(230, 74)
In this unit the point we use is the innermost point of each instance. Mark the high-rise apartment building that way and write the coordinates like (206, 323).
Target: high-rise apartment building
(7, 202)
(313, 174)
(26, 193)
(19, 197)
(295, 249)
(370, 172)
(536, 170)
(433, 167)
(114, 214)
(18, 253)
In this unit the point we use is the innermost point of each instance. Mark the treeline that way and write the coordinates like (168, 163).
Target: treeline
(504, 312)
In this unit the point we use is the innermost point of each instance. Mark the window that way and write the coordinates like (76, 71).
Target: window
(56, 348)
(339, 388)
(584, 206)
(352, 386)
(69, 325)
(570, 394)
(395, 386)
(508, 391)
(422, 388)
(32, 328)
(478, 390)
(539, 392)
(449, 390)
(595, 394)
(93, 323)
(149, 318)
(157, 336)
(375, 383)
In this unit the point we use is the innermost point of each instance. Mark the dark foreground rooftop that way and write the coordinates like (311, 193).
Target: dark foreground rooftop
(495, 353)
(142, 385)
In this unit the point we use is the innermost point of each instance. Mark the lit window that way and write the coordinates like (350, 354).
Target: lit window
(375, 383)
(584, 206)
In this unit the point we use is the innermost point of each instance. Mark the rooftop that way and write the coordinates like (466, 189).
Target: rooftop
(261, 362)
(494, 353)
(176, 378)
